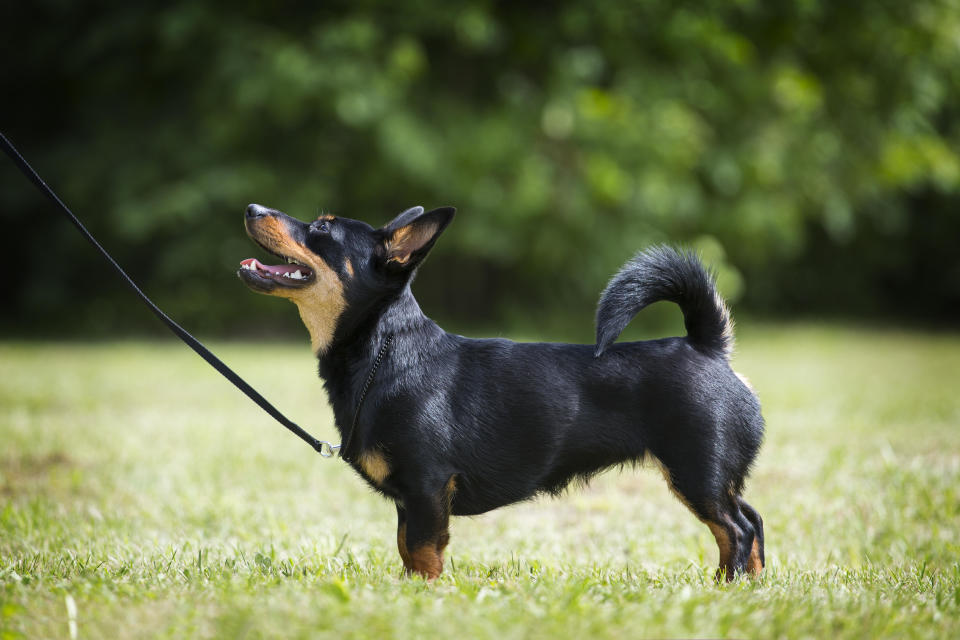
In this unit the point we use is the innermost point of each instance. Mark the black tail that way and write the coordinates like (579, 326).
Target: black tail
(664, 273)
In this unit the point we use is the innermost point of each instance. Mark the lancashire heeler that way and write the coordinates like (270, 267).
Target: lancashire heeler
(458, 426)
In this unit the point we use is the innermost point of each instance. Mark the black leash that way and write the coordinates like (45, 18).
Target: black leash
(345, 445)
(322, 447)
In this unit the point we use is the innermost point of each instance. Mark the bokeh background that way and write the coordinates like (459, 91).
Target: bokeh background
(808, 149)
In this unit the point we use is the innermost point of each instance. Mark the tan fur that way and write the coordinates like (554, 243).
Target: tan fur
(726, 549)
(322, 301)
(374, 465)
(408, 239)
(719, 533)
(754, 566)
(402, 546)
(427, 560)
(320, 305)
(679, 496)
(349, 267)
(451, 489)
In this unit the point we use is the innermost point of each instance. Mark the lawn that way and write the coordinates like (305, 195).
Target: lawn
(142, 496)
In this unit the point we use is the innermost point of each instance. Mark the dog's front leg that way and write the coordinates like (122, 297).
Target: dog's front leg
(422, 529)
(402, 539)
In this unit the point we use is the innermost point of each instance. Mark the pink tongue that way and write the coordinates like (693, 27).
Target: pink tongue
(277, 269)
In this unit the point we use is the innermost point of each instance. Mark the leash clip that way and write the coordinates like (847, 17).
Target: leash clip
(328, 450)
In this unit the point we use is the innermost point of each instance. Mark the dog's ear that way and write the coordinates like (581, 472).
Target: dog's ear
(408, 238)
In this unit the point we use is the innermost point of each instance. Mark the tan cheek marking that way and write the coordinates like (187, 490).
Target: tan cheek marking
(374, 465)
(349, 267)
(320, 303)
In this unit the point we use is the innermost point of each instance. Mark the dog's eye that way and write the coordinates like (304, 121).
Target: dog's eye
(321, 226)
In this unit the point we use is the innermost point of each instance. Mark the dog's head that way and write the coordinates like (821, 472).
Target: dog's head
(337, 268)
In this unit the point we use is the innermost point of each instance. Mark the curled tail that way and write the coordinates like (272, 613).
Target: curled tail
(665, 273)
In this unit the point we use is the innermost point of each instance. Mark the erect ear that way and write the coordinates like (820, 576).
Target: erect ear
(408, 238)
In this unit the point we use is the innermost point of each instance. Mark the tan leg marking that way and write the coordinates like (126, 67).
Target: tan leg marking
(719, 533)
(427, 561)
(444, 538)
(402, 547)
(754, 566)
(726, 551)
(679, 496)
(450, 489)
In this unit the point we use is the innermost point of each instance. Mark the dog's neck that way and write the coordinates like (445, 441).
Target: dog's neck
(398, 315)
(403, 316)
(345, 365)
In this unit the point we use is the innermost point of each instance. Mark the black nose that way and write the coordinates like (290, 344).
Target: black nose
(256, 211)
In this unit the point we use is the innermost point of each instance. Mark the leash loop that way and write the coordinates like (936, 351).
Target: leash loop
(328, 450)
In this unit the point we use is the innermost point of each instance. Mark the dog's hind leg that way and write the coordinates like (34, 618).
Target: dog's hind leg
(422, 529)
(756, 561)
(718, 509)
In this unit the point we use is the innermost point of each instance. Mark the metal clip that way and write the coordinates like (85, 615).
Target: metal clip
(328, 450)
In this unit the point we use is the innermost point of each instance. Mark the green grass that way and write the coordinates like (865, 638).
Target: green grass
(138, 485)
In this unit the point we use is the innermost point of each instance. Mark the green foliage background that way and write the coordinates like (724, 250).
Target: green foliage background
(809, 149)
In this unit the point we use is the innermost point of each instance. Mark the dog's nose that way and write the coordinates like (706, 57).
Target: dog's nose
(256, 211)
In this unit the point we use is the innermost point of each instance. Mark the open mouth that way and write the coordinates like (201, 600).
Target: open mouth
(292, 274)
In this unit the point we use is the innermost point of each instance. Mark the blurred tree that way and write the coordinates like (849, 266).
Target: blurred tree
(808, 148)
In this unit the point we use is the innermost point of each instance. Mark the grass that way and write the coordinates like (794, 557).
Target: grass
(140, 490)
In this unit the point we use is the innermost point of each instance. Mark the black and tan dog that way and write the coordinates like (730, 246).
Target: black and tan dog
(457, 426)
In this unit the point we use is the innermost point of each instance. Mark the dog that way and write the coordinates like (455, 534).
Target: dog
(446, 425)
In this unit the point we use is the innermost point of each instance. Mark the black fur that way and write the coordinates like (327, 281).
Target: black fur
(662, 273)
(465, 425)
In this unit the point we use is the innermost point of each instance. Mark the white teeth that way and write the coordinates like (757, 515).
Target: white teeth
(296, 275)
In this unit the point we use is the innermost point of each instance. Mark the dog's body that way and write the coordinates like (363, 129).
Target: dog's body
(457, 426)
